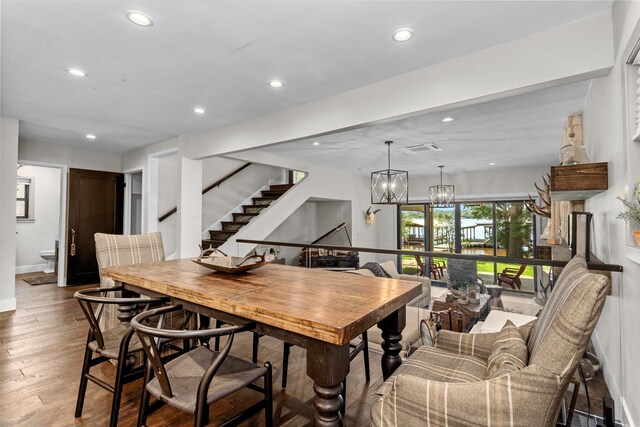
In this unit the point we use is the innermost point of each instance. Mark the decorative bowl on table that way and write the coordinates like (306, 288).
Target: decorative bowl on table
(217, 260)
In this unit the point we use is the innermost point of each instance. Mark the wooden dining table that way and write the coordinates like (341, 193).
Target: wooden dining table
(319, 310)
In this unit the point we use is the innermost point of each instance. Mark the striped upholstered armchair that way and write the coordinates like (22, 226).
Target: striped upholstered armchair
(515, 377)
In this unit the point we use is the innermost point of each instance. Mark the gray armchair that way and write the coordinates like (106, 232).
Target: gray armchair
(456, 382)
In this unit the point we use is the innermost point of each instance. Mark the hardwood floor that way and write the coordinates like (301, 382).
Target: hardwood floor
(41, 350)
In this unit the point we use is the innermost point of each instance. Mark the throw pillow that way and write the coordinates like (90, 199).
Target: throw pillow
(376, 269)
(390, 268)
(508, 352)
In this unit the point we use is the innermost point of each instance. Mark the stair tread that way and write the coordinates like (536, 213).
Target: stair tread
(281, 186)
(273, 193)
(269, 193)
(224, 231)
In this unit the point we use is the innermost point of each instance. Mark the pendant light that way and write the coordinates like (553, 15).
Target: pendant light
(389, 186)
(442, 196)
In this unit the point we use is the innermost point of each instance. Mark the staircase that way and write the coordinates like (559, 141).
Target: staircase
(240, 219)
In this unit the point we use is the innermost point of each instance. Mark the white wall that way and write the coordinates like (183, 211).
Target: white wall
(221, 200)
(168, 181)
(496, 183)
(39, 234)
(331, 184)
(607, 119)
(8, 165)
(80, 158)
(310, 221)
(147, 159)
(325, 184)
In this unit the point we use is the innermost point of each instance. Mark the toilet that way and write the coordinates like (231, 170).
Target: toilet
(50, 257)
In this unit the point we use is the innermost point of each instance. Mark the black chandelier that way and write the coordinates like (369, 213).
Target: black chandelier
(442, 196)
(389, 186)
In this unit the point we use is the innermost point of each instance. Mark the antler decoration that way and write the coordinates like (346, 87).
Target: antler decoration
(370, 216)
(544, 196)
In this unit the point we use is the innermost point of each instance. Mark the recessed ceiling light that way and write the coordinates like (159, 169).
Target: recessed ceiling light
(316, 143)
(90, 136)
(447, 119)
(198, 110)
(492, 164)
(139, 18)
(403, 34)
(76, 72)
(276, 83)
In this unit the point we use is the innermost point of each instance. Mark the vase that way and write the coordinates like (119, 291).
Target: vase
(636, 234)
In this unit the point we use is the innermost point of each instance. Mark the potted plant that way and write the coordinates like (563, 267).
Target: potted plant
(631, 213)
(457, 286)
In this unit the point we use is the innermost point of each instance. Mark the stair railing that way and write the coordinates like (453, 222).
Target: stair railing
(207, 189)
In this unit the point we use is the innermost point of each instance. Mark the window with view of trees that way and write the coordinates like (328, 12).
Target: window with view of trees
(497, 228)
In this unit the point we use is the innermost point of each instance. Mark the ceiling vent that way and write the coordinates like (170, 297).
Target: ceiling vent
(429, 146)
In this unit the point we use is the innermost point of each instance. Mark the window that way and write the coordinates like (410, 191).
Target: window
(495, 228)
(24, 199)
(634, 61)
(636, 137)
(298, 176)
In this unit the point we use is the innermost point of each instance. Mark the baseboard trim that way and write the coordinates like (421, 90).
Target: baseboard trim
(8, 304)
(31, 268)
(612, 385)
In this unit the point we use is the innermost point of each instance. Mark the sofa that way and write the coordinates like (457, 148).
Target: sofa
(417, 309)
(516, 377)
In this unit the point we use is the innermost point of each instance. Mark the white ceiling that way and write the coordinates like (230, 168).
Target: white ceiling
(144, 82)
(523, 130)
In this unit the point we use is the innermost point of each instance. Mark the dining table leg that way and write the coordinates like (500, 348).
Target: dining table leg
(392, 327)
(327, 366)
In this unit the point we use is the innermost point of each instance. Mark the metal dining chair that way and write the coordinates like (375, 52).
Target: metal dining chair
(194, 380)
(116, 343)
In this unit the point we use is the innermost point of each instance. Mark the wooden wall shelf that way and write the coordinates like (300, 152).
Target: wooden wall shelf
(578, 182)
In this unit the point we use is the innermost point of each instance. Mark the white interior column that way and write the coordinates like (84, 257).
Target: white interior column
(8, 178)
(150, 200)
(189, 233)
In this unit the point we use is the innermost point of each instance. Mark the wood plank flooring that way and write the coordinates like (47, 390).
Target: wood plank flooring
(41, 350)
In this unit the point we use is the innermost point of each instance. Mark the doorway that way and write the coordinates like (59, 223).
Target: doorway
(42, 226)
(37, 218)
(134, 216)
(95, 206)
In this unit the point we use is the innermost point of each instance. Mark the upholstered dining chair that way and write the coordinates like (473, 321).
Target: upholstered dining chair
(194, 380)
(113, 344)
(114, 250)
(517, 376)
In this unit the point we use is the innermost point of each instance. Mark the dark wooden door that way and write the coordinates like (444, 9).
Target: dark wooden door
(95, 206)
